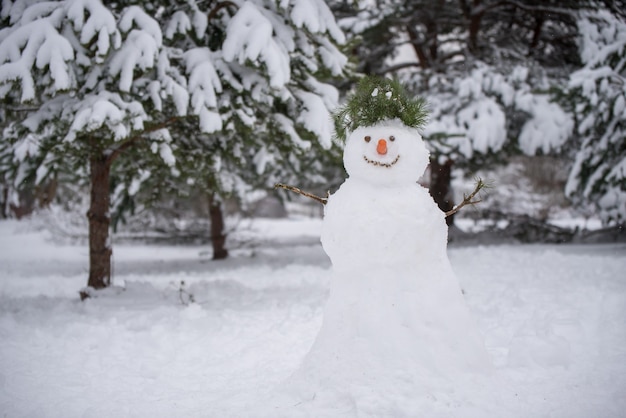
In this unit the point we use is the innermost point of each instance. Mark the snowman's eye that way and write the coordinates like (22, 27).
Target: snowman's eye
(368, 138)
(392, 138)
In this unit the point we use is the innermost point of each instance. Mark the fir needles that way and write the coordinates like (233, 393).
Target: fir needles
(377, 99)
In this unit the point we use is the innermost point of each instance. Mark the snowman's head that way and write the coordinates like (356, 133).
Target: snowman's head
(388, 153)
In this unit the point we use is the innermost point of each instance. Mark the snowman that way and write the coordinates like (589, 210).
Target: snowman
(396, 328)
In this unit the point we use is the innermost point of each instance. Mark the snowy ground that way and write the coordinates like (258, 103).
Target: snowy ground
(553, 318)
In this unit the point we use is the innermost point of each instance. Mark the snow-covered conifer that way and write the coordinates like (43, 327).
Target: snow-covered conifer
(87, 85)
(265, 100)
(273, 64)
(484, 68)
(597, 94)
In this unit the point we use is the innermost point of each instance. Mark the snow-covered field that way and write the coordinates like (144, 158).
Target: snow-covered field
(553, 318)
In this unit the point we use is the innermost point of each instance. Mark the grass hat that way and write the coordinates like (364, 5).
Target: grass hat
(377, 99)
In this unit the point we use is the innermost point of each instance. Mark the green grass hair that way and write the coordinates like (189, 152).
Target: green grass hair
(377, 99)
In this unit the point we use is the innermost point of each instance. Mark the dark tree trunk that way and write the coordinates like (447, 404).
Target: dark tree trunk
(440, 190)
(474, 27)
(99, 221)
(4, 202)
(475, 19)
(218, 237)
(539, 21)
(417, 46)
(46, 193)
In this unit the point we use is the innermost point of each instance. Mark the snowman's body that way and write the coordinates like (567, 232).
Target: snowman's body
(396, 317)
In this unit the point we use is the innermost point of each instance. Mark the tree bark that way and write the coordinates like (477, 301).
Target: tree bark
(46, 193)
(474, 26)
(99, 222)
(218, 237)
(539, 21)
(440, 189)
(4, 202)
(417, 46)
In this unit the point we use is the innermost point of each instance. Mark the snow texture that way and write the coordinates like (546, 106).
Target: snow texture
(552, 318)
(315, 117)
(138, 52)
(485, 123)
(249, 37)
(472, 116)
(316, 17)
(597, 175)
(549, 128)
(35, 43)
(107, 110)
(205, 84)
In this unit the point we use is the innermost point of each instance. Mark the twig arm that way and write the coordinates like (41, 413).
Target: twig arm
(467, 199)
(322, 200)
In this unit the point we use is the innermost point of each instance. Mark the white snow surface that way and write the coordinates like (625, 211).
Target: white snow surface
(552, 318)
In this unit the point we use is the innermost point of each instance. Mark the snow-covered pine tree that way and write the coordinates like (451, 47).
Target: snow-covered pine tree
(99, 92)
(484, 67)
(74, 76)
(597, 96)
(271, 99)
(274, 101)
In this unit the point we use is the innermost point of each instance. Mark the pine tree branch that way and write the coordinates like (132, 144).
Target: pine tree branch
(129, 142)
(22, 109)
(467, 199)
(322, 200)
(482, 8)
(398, 67)
(220, 6)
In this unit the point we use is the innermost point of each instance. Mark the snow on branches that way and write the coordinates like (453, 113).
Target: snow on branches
(110, 110)
(249, 37)
(598, 92)
(475, 115)
(80, 47)
(34, 45)
(315, 16)
(80, 77)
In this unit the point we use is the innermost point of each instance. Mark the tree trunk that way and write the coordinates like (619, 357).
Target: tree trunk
(4, 202)
(46, 193)
(539, 21)
(440, 189)
(474, 26)
(99, 221)
(417, 46)
(218, 237)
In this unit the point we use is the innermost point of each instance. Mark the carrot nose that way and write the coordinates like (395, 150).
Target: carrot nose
(381, 147)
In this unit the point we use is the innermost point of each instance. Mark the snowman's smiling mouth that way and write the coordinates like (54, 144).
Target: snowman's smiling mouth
(379, 164)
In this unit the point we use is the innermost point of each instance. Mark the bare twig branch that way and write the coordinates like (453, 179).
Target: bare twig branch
(322, 200)
(467, 199)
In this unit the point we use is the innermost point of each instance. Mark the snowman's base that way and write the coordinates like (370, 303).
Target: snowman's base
(393, 345)
(467, 397)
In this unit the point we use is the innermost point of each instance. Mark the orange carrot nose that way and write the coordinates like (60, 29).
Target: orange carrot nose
(381, 147)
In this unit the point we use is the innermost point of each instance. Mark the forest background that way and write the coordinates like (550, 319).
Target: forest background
(157, 118)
